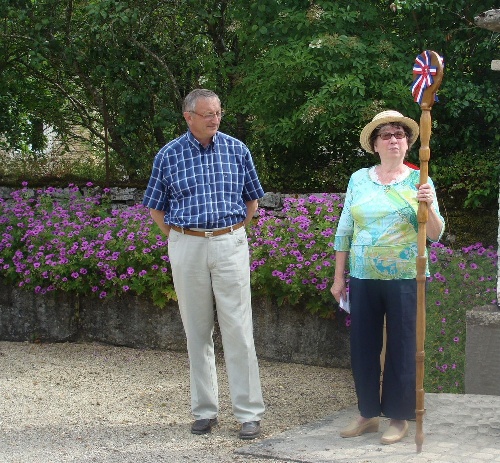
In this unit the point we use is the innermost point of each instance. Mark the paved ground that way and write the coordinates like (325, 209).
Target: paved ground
(62, 403)
(90, 402)
(458, 429)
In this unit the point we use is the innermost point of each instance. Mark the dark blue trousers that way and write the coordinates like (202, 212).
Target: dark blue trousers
(370, 300)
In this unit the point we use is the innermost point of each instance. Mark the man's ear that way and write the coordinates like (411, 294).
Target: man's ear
(187, 117)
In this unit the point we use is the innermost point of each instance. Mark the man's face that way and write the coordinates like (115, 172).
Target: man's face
(204, 121)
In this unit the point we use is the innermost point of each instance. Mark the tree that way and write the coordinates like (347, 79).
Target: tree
(120, 65)
(322, 69)
(298, 78)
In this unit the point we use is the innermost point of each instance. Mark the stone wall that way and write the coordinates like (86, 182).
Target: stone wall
(131, 196)
(482, 369)
(490, 20)
(285, 334)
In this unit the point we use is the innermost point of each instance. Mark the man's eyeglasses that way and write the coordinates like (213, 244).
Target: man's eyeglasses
(388, 135)
(210, 116)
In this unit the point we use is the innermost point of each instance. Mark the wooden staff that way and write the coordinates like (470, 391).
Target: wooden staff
(426, 101)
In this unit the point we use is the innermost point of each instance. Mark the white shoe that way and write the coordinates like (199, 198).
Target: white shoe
(394, 434)
(356, 428)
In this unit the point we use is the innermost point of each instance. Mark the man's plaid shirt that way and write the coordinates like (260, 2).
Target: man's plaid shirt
(203, 187)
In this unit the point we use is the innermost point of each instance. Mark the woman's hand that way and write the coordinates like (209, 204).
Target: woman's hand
(338, 290)
(425, 193)
(435, 225)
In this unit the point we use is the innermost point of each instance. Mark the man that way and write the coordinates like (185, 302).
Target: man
(202, 192)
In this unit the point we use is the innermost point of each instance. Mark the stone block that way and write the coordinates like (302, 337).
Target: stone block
(291, 334)
(5, 192)
(26, 316)
(127, 195)
(489, 20)
(132, 321)
(482, 351)
(271, 200)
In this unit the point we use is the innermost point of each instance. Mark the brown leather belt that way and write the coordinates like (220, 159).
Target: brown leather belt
(207, 234)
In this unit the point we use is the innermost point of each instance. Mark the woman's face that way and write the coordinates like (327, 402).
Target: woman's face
(391, 142)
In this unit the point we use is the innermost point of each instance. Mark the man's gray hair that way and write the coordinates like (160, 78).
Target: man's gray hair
(192, 98)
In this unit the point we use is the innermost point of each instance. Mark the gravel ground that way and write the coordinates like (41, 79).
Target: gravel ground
(86, 402)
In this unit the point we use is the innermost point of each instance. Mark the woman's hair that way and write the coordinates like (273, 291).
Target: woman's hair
(398, 125)
(192, 98)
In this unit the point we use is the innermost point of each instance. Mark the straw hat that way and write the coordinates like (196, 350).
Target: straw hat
(387, 117)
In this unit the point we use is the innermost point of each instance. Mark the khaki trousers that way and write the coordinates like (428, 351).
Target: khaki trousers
(208, 270)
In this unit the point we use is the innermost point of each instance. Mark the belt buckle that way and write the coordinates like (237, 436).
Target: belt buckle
(209, 234)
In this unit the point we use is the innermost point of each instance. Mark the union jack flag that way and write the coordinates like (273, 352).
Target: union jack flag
(423, 72)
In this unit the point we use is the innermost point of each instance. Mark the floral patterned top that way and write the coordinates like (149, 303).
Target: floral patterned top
(378, 226)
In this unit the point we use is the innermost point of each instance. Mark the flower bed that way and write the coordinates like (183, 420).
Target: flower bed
(60, 240)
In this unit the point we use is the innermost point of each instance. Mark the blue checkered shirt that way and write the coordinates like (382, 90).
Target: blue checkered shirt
(201, 187)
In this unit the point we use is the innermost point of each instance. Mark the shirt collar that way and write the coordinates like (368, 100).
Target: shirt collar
(191, 138)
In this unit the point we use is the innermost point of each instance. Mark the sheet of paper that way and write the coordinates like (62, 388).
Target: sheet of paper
(344, 305)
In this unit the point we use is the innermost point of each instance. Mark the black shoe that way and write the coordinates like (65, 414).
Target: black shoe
(250, 430)
(203, 426)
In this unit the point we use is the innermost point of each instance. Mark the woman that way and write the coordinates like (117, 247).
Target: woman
(377, 233)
